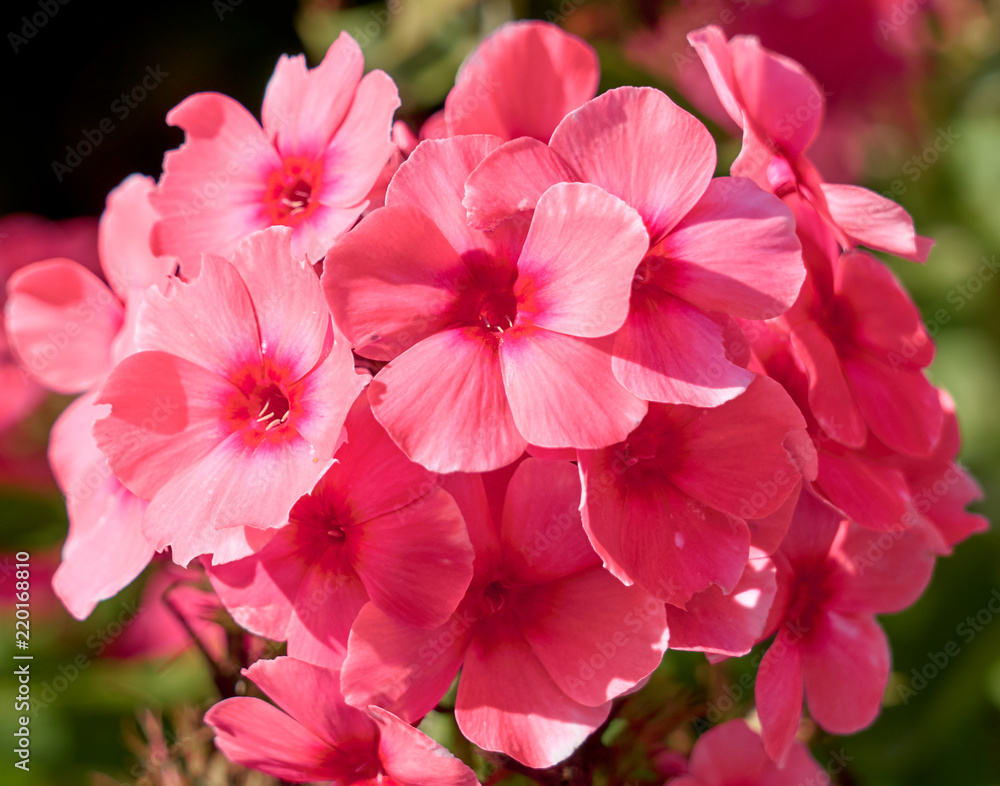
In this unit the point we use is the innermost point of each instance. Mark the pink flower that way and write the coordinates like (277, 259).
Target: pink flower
(313, 736)
(324, 141)
(833, 578)
(733, 755)
(376, 526)
(545, 637)
(671, 346)
(667, 508)
(230, 410)
(780, 109)
(521, 81)
(495, 339)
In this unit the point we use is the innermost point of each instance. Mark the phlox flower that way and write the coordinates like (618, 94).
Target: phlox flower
(494, 339)
(313, 736)
(324, 141)
(717, 247)
(376, 526)
(545, 637)
(833, 577)
(231, 407)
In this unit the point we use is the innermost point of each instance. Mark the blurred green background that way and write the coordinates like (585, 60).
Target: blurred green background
(61, 82)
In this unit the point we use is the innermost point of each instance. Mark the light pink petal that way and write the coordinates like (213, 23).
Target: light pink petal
(105, 549)
(392, 281)
(578, 260)
(311, 696)
(164, 417)
(674, 546)
(845, 668)
(362, 145)
(713, 49)
(411, 758)
(443, 402)
(303, 107)
(616, 141)
(256, 734)
(433, 179)
(882, 575)
(726, 624)
(757, 278)
(733, 457)
(582, 406)
(508, 702)
(558, 70)
(542, 537)
(595, 637)
(125, 238)
(603, 475)
(512, 178)
(900, 406)
(205, 214)
(210, 321)
(61, 320)
(778, 693)
(415, 562)
(871, 220)
(671, 351)
(830, 398)
(404, 669)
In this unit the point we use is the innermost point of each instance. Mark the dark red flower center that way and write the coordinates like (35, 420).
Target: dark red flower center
(498, 311)
(494, 597)
(289, 195)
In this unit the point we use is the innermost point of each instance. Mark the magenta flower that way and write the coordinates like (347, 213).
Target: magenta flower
(230, 410)
(376, 526)
(668, 507)
(495, 339)
(313, 736)
(833, 578)
(671, 346)
(545, 637)
(324, 141)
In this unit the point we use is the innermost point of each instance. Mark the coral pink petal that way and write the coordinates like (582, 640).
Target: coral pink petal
(830, 397)
(512, 178)
(62, 320)
(542, 536)
(726, 624)
(329, 598)
(763, 279)
(411, 758)
(671, 351)
(393, 281)
(870, 493)
(569, 621)
(443, 402)
(674, 546)
(901, 407)
(256, 734)
(508, 702)
(165, 415)
(576, 267)
(404, 669)
(125, 238)
(778, 693)
(433, 179)
(711, 46)
(557, 69)
(105, 549)
(767, 532)
(214, 314)
(616, 142)
(845, 668)
(715, 447)
(362, 145)
(582, 406)
(728, 754)
(415, 562)
(602, 474)
(303, 108)
(209, 217)
(886, 580)
(871, 220)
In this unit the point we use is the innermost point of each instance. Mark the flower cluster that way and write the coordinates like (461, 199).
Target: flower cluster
(521, 401)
